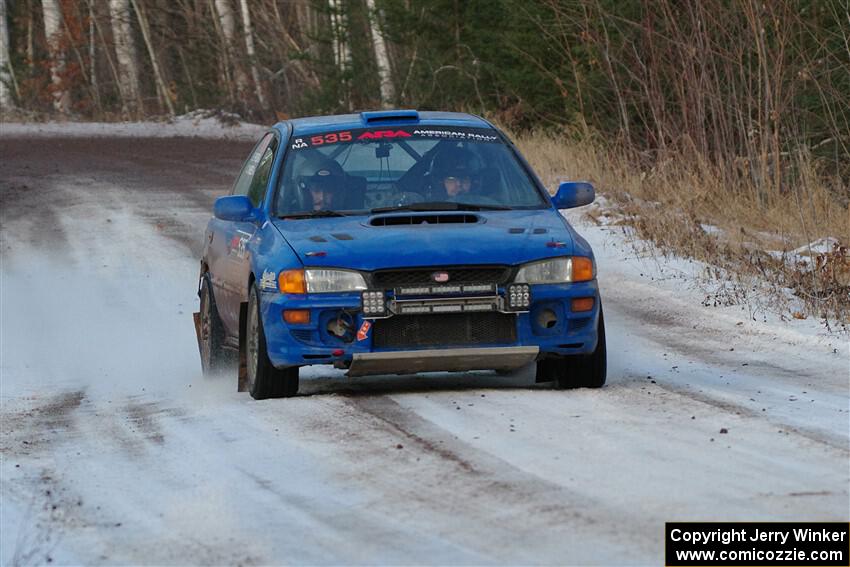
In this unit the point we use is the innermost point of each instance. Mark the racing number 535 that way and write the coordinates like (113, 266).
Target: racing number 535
(331, 138)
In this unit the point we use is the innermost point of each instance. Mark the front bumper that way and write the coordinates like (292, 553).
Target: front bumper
(570, 333)
(441, 360)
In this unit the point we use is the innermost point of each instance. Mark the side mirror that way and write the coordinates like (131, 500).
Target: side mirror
(573, 194)
(234, 208)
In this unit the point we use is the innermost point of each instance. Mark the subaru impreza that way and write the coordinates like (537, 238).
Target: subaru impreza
(396, 242)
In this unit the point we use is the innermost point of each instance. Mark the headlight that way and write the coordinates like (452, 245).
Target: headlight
(323, 281)
(556, 270)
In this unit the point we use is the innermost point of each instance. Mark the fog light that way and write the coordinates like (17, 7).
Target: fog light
(582, 304)
(547, 319)
(374, 303)
(517, 297)
(297, 316)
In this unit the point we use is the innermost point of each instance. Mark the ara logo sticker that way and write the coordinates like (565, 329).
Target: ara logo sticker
(268, 281)
(381, 134)
(363, 332)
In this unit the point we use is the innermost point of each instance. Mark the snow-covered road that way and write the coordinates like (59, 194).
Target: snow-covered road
(116, 451)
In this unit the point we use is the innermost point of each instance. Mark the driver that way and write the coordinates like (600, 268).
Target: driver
(320, 189)
(453, 173)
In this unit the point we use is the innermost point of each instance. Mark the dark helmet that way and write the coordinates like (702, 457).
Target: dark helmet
(454, 162)
(327, 175)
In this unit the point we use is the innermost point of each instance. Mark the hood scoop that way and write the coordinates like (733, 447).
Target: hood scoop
(407, 220)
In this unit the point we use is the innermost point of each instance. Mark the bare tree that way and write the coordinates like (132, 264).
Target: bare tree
(252, 53)
(341, 52)
(228, 29)
(125, 53)
(6, 76)
(164, 95)
(381, 57)
(52, 29)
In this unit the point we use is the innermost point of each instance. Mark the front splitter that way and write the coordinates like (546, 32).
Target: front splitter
(442, 360)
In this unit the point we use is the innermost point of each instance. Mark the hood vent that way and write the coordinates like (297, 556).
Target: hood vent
(402, 220)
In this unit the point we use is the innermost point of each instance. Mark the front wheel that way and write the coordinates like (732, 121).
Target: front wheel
(263, 379)
(583, 371)
(211, 333)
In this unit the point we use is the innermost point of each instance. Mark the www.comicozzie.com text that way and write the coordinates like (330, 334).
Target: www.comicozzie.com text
(743, 534)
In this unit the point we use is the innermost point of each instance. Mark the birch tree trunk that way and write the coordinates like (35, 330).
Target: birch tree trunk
(381, 57)
(30, 40)
(5, 62)
(342, 55)
(53, 32)
(125, 53)
(228, 28)
(95, 88)
(252, 54)
(164, 95)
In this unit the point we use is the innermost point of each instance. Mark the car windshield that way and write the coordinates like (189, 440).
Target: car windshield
(416, 168)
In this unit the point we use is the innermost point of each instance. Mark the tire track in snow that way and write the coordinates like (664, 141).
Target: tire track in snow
(35, 429)
(486, 504)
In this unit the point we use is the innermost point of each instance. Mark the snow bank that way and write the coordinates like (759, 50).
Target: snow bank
(197, 124)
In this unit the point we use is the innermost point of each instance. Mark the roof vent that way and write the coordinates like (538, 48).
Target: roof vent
(389, 116)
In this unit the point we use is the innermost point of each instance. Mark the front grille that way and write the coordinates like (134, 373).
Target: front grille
(388, 279)
(453, 329)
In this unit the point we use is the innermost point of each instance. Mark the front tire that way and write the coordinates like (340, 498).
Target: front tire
(263, 379)
(583, 371)
(213, 354)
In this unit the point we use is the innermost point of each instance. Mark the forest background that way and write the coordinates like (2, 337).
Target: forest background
(718, 129)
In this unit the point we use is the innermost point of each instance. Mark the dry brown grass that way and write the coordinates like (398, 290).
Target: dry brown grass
(668, 204)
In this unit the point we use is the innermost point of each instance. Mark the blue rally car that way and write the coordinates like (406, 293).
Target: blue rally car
(397, 242)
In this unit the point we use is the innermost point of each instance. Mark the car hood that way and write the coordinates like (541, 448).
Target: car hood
(431, 239)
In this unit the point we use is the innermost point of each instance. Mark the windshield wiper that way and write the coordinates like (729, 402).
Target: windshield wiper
(481, 207)
(313, 214)
(440, 206)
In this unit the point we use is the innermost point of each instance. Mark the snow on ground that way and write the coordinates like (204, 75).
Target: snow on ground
(116, 451)
(726, 293)
(805, 256)
(196, 124)
(733, 339)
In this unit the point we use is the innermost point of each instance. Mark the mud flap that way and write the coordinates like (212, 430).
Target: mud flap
(242, 383)
(548, 369)
(197, 318)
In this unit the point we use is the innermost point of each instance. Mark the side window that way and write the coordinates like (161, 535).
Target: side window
(261, 177)
(243, 182)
